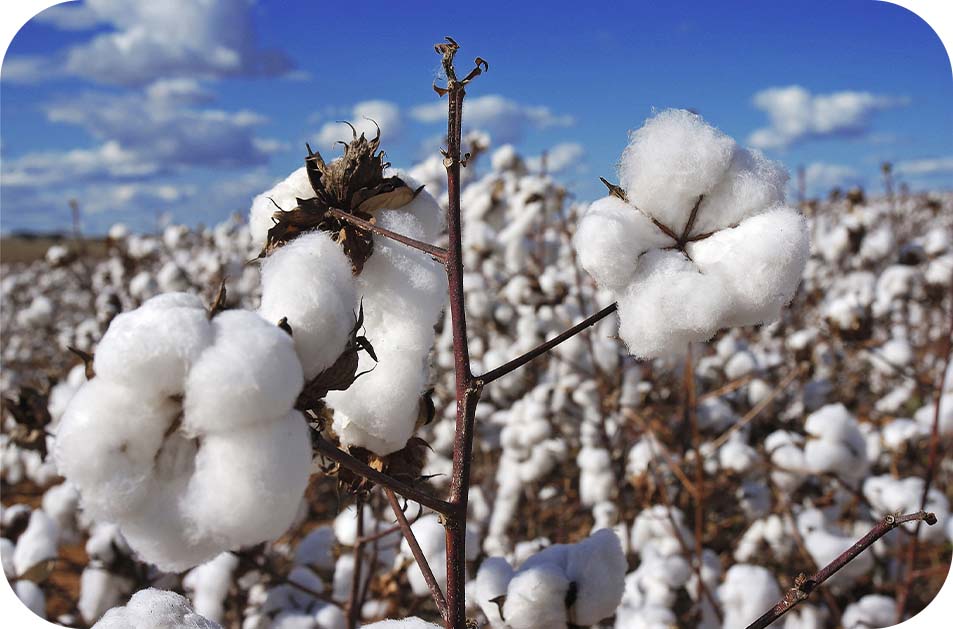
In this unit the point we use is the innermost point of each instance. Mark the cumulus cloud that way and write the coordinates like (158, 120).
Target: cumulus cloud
(820, 177)
(797, 115)
(562, 158)
(504, 119)
(925, 167)
(145, 41)
(363, 117)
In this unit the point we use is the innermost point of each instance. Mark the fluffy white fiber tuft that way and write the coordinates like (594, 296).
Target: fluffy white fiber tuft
(283, 195)
(191, 466)
(680, 278)
(155, 609)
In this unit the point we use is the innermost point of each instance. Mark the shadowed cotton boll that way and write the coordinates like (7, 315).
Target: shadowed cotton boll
(208, 457)
(701, 241)
(837, 445)
(37, 543)
(492, 580)
(309, 281)
(32, 596)
(535, 598)
(155, 609)
(873, 610)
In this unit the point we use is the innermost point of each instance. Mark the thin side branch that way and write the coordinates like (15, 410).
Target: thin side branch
(422, 562)
(354, 601)
(538, 351)
(326, 449)
(437, 253)
(805, 585)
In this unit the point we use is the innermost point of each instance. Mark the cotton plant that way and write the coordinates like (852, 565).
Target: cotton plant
(695, 237)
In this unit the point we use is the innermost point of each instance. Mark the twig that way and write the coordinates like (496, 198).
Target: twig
(755, 410)
(422, 562)
(805, 585)
(353, 603)
(437, 253)
(516, 363)
(691, 417)
(345, 460)
(914, 545)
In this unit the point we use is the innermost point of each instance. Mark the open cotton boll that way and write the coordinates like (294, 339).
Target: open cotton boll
(668, 305)
(751, 184)
(838, 445)
(153, 347)
(283, 195)
(492, 580)
(37, 543)
(249, 374)
(316, 549)
(536, 598)
(155, 609)
(423, 206)
(609, 239)
(597, 566)
(672, 160)
(209, 585)
(760, 263)
(106, 443)
(309, 281)
(873, 610)
(746, 592)
(99, 591)
(824, 546)
(257, 499)
(405, 623)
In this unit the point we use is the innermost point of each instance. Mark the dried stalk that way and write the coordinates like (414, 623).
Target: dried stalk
(437, 253)
(354, 603)
(803, 586)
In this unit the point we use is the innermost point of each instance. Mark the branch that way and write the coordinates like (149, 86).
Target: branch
(354, 602)
(425, 569)
(345, 460)
(518, 362)
(437, 253)
(803, 586)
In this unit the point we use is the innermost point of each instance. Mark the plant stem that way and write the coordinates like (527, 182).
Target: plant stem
(437, 253)
(418, 554)
(353, 604)
(805, 585)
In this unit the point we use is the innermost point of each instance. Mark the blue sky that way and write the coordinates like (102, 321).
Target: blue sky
(138, 109)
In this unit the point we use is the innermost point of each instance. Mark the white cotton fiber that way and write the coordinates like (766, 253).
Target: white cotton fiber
(106, 442)
(155, 609)
(424, 207)
(283, 195)
(249, 374)
(265, 488)
(32, 596)
(99, 590)
(404, 623)
(759, 262)
(310, 282)
(492, 581)
(751, 184)
(747, 592)
(209, 584)
(873, 610)
(672, 160)
(37, 543)
(668, 305)
(609, 239)
(837, 446)
(535, 598)
(153, 346)
(597, 565)
(316, 549)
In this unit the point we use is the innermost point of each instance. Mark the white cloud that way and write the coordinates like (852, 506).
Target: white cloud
(820, 177)
(796, 115)
(925, 167)
(504, 119)
(152, 40)
(109, 160)
(387, 115)
(562, 158)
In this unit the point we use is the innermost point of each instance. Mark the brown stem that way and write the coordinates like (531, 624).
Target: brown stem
(437, 253)
(516, 363)
(418, 554)
(328, 450)
(914, 545)
(805, 585)
(691, 417)
(755, 410)
(353, 604)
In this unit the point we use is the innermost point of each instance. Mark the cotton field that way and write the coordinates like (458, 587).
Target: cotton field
(764, 397)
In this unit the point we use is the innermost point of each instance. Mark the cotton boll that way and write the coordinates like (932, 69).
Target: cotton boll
(492, 580)
(423, 206)
(309, 281)
(37, 543)
(258, 499)
(760, 263)
(536, 597)
(209, 584)
(32, 596)
(609, 239)
(153, 347)
(597, 565)
(60, 503)
(106, 442)
(404, 623)
(283, 195)
(6, 556)
(155, 609)
(99, 591)
(838, 446)
(668, 305)
(806, 617)
(330, 617)
(873, 610)
(825, 546)
(250, 374)
(746, 593)
(751, 184)
(672, 160)
(316, 549)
